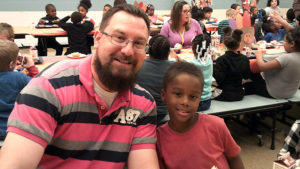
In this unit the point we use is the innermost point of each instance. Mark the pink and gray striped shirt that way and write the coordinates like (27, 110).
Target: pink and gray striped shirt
(60, 110)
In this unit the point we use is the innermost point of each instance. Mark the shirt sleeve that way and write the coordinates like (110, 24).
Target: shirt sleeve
(165, 30)
(35, 113)
(145, 135)
(282, 59)
(231, 149)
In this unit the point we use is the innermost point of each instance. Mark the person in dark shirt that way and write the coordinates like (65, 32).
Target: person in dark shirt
(45, 42)
(231, 68)
(151, 74)
(77, 33)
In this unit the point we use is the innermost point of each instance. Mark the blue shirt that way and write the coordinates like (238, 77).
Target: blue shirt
(207, 71)
(272, 36)
(11, 83)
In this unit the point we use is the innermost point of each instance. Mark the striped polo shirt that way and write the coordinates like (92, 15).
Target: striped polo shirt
(61, 111)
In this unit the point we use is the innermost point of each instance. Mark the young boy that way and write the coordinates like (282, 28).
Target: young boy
(230, 21)
(45, 42)
(77, 33)
(191, 140)
(11, 82)
(6, 32)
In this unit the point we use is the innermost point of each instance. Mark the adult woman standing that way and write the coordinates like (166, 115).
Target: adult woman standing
(181, 28)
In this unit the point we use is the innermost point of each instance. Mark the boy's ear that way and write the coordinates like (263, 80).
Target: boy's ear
(12, 65)
(163, 95)
(97, 37)
(292, 44)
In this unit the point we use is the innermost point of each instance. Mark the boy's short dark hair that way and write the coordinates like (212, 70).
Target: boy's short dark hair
(198, 41)
(290, 15)
(159, 47)
(234, 6)
(8, 53)
(7, 30)
(293, 35)
(207, 9)
(49, 6)
(107, 5)
(182, 67)
(133, 10)
(76, 17)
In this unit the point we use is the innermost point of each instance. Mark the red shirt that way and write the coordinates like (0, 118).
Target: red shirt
(206, 145)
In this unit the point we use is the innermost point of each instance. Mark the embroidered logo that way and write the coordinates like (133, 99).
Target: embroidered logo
(127, 116)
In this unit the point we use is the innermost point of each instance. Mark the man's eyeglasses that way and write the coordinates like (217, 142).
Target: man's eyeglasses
(119, 40)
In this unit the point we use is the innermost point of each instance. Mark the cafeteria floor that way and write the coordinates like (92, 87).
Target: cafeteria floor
(253, 156)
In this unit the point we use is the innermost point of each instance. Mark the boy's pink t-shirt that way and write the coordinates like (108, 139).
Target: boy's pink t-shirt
(206, 145)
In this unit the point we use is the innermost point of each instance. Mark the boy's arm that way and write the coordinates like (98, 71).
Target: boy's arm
(18, 152)
(143, 158)
(235, 162)
(30, 66)
(65, 19)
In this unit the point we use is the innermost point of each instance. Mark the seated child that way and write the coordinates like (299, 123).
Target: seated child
(291, 142)
(258, 32)
(253, 15)
(239, 17)
(154, 18)
(204, 62)
(207, 14)
(6, 32)
(83, 8)
(191, 140)
(230, 21)
(151, 73)
(45, 42)
(11, 82)
(231, 68)
(77, 33)
(273, 31)
(273, 28)
(198, 15)
(282, 74)
(290, 17)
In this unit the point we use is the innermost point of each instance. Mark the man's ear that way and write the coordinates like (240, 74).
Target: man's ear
(163, 95)
(97, 37)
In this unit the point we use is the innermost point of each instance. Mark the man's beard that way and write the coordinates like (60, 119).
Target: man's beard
(115, 82)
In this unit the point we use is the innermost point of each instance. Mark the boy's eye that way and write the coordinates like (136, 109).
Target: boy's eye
(177, 94)
(193, 97)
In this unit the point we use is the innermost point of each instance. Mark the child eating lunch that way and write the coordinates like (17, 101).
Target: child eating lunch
(77, 33)
(11, 82)
(282, 74)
